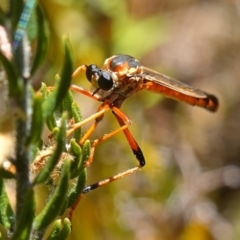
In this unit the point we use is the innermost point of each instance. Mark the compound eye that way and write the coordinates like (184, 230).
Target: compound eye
(105, 81)
(91, 69)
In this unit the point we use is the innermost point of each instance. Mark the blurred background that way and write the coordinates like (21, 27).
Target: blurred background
(189, 188)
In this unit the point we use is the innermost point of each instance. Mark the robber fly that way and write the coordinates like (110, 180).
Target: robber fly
(120, 77)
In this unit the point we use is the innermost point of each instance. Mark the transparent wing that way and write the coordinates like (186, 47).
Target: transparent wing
(173, 84)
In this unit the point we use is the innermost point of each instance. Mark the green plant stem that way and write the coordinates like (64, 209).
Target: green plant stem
(23, 125)
(22, 154)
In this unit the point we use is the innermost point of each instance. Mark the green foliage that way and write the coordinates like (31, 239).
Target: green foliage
(26, 216)
(60, 230)
(42, 40)
(14, 83)
(59, 163)
(6, 213)
(55, 204)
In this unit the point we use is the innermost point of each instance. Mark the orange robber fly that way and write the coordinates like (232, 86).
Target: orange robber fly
(121, 77)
